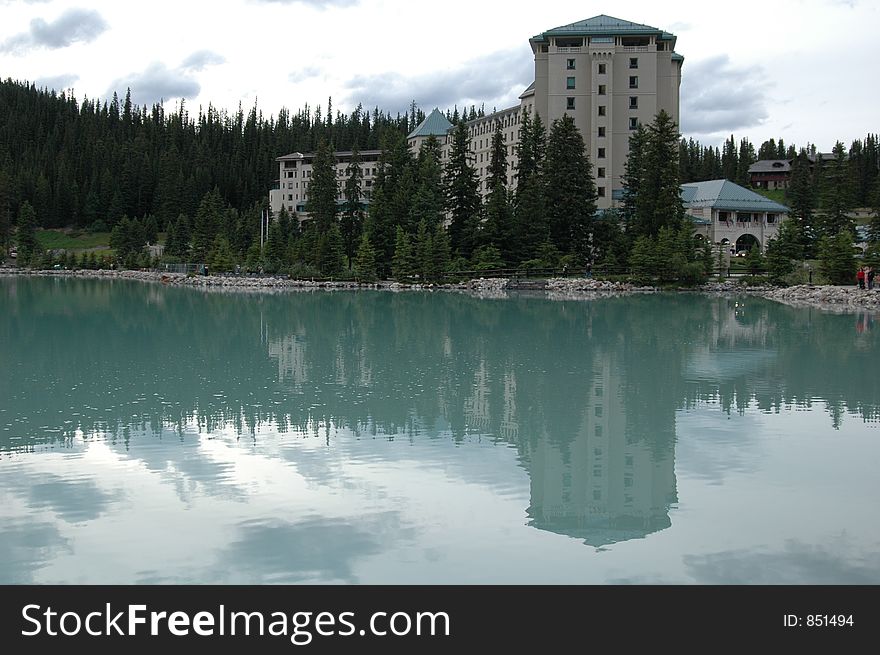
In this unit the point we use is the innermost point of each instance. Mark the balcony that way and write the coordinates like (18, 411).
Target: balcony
(569, 50)
(635, 48)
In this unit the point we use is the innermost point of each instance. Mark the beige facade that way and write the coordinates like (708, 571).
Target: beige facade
(295, 174)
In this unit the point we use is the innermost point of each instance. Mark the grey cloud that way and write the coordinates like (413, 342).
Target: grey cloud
(73, 26)
(201, 59)
(156, 83)
(719, 98)
(317, 4)
(25, 548)
(495, 80)
(57, 82)
(304, 74)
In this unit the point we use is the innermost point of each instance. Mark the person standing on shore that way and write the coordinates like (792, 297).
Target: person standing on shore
(860, 276)
(870, 277)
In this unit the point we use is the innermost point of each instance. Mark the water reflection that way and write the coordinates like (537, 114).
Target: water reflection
(317, 424)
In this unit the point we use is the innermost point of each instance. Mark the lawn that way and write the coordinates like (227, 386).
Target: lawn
(72, 239)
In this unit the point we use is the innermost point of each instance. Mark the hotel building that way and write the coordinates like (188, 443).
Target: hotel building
(608, 74)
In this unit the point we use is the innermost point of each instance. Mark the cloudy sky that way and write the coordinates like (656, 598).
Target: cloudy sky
(796, 69)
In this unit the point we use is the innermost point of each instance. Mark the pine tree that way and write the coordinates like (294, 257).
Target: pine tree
(441, 252)
(530, 226)
(386, 211)
(633, 173)
(5, 211)
(729, 160)
(206, 224)
(498, 228)
(744, 161)
(221, 258)
(570, 191)
(427, 205)
(403, 264)
(802, 199)
(462, 195)
(321, 204)
(352, 219)
(331, 260)
(26, 236)
(836, 259)
(778, 263)
(659, 203)
(365, 262)
(754, 260)
(837, 194)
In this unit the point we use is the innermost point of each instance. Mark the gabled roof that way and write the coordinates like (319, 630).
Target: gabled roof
(435, 124)
(530, 91)
(603, 25)
(771, 166)
(724, 194)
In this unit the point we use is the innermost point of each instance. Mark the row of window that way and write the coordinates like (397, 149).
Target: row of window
(570, 65)
(633, 84)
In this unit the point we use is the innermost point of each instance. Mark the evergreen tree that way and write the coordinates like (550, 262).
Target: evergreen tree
(321, 204)
(744, 161)
(276, 248)
(802, 199)
(26, 235)
(352, 219)
(570, 191)
(151, 229)
(837, 195)
(221, 258)
(754, 260)
(778, 263)
(634, 173)
(386, 211)
(498, 228)
(729, 160)
(365, 262)
(658, 203)
(5, 211)
(441, 253)
(874, 227)
(403, 264)
(462, 195)
(427, 205)
(331, 260)
(206, 224)
(836, 260)
(530, 220)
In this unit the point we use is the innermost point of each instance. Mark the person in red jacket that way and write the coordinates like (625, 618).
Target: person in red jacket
(860, 276)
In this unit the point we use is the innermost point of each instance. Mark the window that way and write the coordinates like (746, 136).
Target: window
(597, 410)
(628, 460)
(601, 130)
(569, 82)
(601, 153)
(771, 219)
(633, 102)
(569, 103)
(598, 430)
(290, 196)
(597, 494)
(600, 172)
(634, 81)
(569, 64)
(633, 123)
(633, 62)
(601, 69)
(601, 89)
(601, 191)
(601, 109)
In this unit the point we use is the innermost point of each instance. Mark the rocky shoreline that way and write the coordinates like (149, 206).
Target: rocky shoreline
(833, 298)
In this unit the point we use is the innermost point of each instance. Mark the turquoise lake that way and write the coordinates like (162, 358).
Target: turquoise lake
(172, 435)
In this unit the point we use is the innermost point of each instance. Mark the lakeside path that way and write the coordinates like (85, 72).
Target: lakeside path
(832, 298)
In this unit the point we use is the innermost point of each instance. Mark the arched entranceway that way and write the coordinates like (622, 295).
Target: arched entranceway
(747, 242)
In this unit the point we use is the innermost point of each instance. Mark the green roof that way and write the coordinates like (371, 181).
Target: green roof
(435, 124)
(724, 194)
(603, 25)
